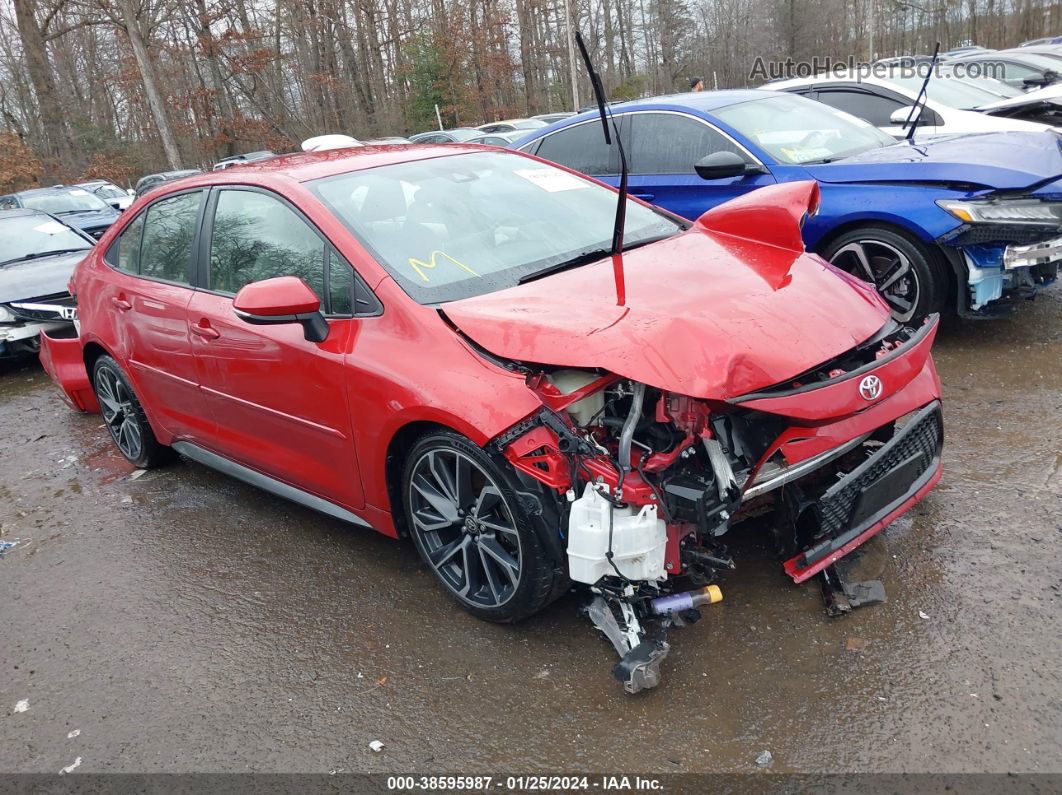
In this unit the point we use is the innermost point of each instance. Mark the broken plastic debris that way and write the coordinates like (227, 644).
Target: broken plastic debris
(137, 474)
(127, 499)
(764, 759)
(22, 706)
(376, 746)
(73, 734)
(921, 614)
(70, 768)
(6, 545)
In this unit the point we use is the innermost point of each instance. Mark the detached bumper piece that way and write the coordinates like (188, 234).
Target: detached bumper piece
(63, 360)
(861, 503)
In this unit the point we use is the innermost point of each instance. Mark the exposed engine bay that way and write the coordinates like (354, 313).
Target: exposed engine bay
(650, 482)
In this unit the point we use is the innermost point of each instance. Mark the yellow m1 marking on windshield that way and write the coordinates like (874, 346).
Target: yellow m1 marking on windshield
(418, 264)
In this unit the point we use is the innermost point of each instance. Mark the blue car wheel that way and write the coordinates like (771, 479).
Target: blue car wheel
(907, 275)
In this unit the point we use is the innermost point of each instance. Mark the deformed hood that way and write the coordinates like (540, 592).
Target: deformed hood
(1051, 94)
(1001, 161)
(707, 315)
(35, 278)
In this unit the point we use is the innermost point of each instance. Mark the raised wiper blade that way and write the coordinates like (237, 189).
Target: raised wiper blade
(572, 262)
(41, 254)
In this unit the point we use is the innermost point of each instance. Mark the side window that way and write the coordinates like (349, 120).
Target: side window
(125, 251)
(169, 228)
(669, 143)
(257, 237)
(8, 203)
(861, 104)
(582, 148)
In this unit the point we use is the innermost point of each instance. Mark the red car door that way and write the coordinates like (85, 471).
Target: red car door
(279, 401)
(144, 297)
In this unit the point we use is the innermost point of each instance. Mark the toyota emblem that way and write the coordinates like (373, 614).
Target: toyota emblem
(870, 387)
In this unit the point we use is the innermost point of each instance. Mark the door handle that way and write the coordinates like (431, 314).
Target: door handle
(203, 329)
(645, 197)
(121, 304)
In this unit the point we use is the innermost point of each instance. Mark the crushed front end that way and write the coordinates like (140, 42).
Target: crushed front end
(651, 481)
(23, 321)
(1007, 248)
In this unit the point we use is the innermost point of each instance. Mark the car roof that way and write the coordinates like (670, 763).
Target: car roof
(695, 100)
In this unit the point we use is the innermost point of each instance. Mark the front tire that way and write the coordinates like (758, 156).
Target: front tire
(124, 415)
(473, 531)
(906, 274)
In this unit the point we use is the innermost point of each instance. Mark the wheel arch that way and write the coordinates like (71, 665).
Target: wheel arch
(90, 352)
(405, 437)
(398, 447)
(897, 226)
(891, 223)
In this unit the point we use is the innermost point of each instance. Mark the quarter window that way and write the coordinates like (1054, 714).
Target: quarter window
(877, 110)
(340, 285)
(127, 257)
(169, 229)
(582, 148)
(668, 143)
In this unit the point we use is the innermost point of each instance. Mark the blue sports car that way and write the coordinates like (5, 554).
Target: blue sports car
(973, 221)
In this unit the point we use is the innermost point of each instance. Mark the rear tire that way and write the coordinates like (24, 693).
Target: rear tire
(906, 273)
(474, 532)
(124, 416)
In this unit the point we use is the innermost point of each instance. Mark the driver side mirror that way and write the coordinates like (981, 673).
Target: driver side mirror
(284, 299)
(929, 118)
(899, 116)
(725, 164)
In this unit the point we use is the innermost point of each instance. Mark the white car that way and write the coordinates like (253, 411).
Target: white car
(1042, 100)
(953, 106)
(117, 197)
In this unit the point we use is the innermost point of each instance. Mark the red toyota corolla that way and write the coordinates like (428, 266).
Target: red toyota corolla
(435, 342)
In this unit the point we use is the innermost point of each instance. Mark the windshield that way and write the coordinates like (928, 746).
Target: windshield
(797, 130)
(109, 192)
(59, 202)
(467, 224)
(34, 235)
(463, 134)
(949, 92)
(995, 87)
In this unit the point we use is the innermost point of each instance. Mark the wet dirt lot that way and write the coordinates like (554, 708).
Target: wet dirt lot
(182, 621)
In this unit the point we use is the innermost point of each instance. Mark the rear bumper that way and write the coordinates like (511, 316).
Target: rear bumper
(63, 360)
(870, 497)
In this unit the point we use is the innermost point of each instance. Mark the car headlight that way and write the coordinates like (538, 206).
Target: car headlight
(1007, 211)
(6, 315)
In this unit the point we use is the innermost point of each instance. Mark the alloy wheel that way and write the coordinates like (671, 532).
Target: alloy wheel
(465, 528)
(887, 268)
(119, 412)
